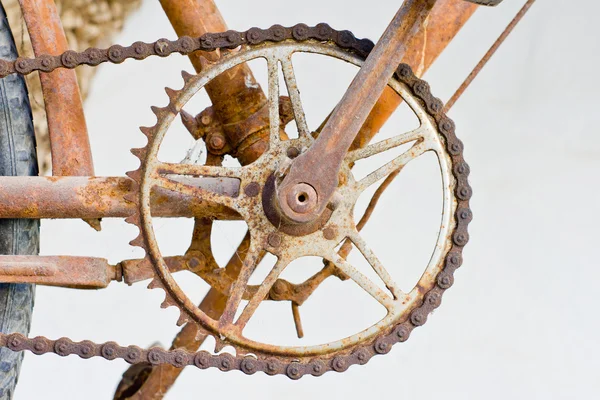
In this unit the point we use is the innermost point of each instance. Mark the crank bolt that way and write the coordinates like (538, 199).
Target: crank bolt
(274, 240)
(302, 198)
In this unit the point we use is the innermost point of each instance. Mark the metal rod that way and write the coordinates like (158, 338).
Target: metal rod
(64, 271)
(69, 141)
(98, 197)
(235, 95)
(488, 55)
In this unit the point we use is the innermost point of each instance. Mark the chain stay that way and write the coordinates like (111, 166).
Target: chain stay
(249, 364)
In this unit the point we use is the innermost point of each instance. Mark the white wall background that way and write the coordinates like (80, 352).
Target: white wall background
(521, 320)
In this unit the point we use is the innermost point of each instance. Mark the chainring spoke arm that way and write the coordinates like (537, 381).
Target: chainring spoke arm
(214, 183)
(294, 94)
(239, 286)
(274, 116)
(374, 262)
(261, 293)
(385, 145)
(363, 281)
(418, 149)
(197, 170)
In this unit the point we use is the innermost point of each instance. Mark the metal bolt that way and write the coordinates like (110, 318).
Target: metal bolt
(293, 152)
(205, 119)
(274, 240)
(216, 141)
(329, 233)
(196, 261)
(252, 189)
(302, 198)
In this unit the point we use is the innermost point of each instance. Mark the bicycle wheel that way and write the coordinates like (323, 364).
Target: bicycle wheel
(17, 157)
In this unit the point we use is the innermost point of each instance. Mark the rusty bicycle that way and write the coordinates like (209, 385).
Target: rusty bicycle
(295, 184)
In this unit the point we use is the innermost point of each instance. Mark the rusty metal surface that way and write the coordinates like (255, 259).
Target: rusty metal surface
(69, 141)
(236, 97)
(153, 173)
(100, 197)
(451, 261)
(237, 124)
(275, 35)
(307, 188)
(64, 271)
(445, 20)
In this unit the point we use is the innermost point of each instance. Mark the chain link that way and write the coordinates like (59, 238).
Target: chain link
(362, 353)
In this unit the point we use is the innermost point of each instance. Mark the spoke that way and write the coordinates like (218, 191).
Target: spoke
(227, 197)
(261, 294)
(294, 93)
(377, 266)
(198, 170)
(385, 145)
(364, 282)
(398, 163)
(237, 290)
(274, 99)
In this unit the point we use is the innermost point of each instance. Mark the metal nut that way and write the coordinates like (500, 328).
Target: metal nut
(274, 240)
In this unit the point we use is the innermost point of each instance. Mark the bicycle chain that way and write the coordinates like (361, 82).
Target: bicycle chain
(362, 353)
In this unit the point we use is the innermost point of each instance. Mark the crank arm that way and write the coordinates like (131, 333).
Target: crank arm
(312, 179)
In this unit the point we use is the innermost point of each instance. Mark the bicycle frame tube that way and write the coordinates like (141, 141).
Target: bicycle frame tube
(100, 197)
(236, 96)
(69, 141)
(444, 22)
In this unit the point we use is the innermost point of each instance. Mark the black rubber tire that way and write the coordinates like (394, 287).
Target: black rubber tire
(17, 157)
